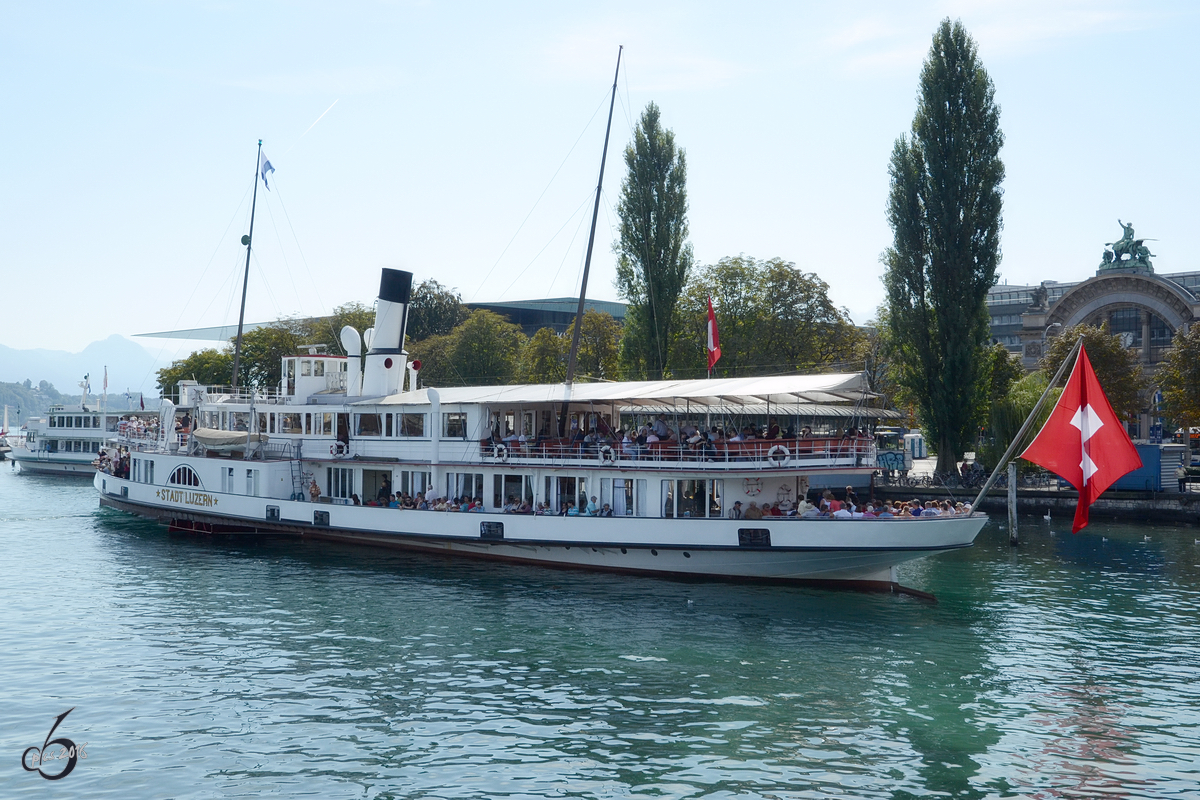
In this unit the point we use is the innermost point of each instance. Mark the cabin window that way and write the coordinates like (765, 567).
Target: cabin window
(262, 423)
(387, 425)
(415, 483)
(290, 371)
(622, 497)
(289, 423)
(270, 423)
(366, 425)
(305, 368)
(54, 422)
(340, 482)
(511, 488)
(327, 424)
(239, 420)
(184, 476)
(252, 483)
(412, 424)
(149, 472)
(318, 369)
(70, 422)
(454, 425)
(227, 480)
(668, 499)
(79, 422)
(464, 485)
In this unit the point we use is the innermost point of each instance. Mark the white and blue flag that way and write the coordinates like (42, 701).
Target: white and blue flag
(264, 166)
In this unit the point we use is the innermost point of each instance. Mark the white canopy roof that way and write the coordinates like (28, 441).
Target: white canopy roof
(837, 387)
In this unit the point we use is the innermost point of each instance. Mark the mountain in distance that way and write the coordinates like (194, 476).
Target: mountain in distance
(129, 364)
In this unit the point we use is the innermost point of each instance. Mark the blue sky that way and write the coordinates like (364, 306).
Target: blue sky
(461, 142)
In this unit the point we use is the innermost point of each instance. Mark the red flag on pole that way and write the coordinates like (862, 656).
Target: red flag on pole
(1083, 440)
(714, 342)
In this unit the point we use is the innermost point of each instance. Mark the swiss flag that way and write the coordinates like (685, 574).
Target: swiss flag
(1083, 441)
(714, 342)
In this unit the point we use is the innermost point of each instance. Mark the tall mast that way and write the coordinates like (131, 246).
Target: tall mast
(246, 240)
(587, 262)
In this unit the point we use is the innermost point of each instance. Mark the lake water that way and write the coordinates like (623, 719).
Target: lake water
(201, 667)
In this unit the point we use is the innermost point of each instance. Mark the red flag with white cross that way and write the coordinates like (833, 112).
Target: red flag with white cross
(1083, 441)
(714, 341)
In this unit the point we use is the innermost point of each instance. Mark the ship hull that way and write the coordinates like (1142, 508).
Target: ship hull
(851, 552)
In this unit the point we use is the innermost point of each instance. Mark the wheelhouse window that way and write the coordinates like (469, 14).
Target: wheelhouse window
(454, 425)
(412, 424)
(367, 425)
(290, 423)
(184, 476)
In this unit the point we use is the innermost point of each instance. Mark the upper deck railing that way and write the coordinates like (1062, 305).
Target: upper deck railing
(673, 455)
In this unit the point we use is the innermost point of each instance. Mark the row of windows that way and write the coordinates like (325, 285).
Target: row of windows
(70, 446)
(59, 421)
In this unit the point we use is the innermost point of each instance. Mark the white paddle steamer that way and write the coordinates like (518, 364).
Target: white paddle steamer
(297, 461)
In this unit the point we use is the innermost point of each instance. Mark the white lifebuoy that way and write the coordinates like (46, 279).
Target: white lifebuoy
(337, 449)
(606, 454)
(778, 456)
(500, 452)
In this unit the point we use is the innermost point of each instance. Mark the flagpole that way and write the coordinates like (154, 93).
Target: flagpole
(246, 240)
(1028, 421)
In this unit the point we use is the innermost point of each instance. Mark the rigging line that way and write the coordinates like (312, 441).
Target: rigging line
(287, 267)
(567, 252)
(310, 127)
(479, 286)
(266, 283)
(303, 258)
(549, 242)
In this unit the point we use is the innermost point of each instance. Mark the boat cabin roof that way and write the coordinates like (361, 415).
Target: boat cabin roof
(836, 387)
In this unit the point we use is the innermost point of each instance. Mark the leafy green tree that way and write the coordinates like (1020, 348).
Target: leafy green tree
(599, 346)
(1004, 369)
(944, 208)
(772, 318)
(1007, 414)
(262, 352)
(1117, 367)
(1179, 378)
(437, 363)
(543, 358)
(486, 349)
(653, 256)
(434, 310)
(210, 367)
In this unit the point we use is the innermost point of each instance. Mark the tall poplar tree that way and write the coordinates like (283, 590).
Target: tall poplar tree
(654, 258)
(944, 208)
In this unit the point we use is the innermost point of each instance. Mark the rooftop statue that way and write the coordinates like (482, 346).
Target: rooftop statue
(1127, 252)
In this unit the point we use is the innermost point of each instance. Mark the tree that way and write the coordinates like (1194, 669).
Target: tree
(486, 349)
(1179, 378)
(434, 310)
(1007, 414)
(944, 208)
(653, 256)
(437, 363)
(599, 346)
(263, 350)
(208, 367)
(772, 318)
(543, 358)
(1004, 368)
(1117, 367)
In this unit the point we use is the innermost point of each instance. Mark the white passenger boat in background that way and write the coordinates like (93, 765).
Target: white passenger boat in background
(68, 439)
(254, 457)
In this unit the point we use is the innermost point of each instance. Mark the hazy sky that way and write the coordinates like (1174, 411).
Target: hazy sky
(464, 139)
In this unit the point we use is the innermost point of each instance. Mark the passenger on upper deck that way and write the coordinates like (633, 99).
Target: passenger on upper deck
(660, 428)
(773, 429)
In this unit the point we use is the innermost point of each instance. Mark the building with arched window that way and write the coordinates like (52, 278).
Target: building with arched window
(1145, 308)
